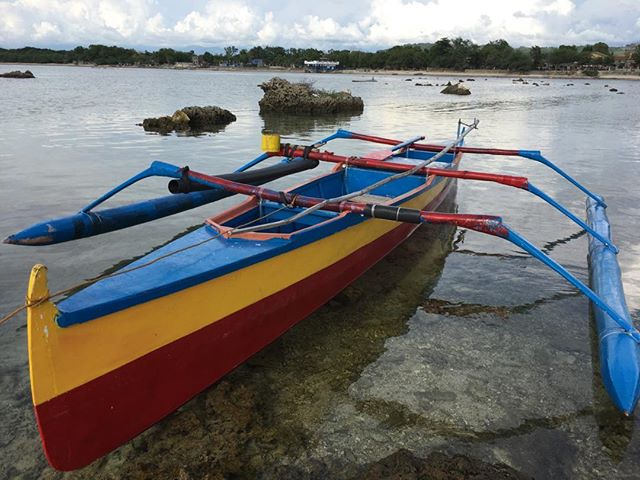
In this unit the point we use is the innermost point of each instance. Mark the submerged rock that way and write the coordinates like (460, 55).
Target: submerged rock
(405, 465)
(457, 89)
(199, 119)
(282, 96)
(18, 74)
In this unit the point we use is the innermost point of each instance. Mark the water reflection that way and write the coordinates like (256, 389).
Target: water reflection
(77, 126)
(304, 125)
(192, 132)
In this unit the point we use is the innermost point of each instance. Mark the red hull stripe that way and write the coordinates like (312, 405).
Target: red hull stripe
(123, 403)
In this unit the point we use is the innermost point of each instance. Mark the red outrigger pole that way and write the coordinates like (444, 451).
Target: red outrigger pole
(509, 180)
(489, 224)
(425, 147)
(364, 162)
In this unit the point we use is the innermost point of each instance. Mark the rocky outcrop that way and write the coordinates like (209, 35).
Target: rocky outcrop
(197, 119)
(456, 89)
(282, 96)
(18, 74)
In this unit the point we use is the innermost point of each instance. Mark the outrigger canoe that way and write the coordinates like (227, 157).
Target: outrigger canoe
(117, 356)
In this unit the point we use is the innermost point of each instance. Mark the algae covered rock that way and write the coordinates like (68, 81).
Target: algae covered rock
(197, 119)
(456, 89)
(282, 96)
(180, 120)
(18, 74)
(160, 124)
(202, 117)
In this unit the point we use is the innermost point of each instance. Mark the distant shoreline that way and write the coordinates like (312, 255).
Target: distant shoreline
(369, 73)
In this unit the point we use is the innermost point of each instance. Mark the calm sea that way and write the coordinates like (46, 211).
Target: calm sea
(456, 342)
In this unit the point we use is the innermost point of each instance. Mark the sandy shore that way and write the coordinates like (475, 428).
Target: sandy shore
(615, 75)
(635, 75)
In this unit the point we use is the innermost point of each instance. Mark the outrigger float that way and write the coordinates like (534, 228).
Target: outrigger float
(114, 358)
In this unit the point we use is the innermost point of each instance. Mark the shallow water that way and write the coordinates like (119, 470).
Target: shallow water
(456, 342)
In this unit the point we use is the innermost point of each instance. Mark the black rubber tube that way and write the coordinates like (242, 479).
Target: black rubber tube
(250, 177)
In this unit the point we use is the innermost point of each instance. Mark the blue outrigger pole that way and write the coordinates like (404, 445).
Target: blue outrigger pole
(619, 340)
(87, 222)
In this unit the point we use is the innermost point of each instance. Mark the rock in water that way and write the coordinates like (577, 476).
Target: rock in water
(160, 124)
(281, 96)
(202, 117)
(180, 120)
(457, 89)
(404, 465)
(18, 74)
(198, 119)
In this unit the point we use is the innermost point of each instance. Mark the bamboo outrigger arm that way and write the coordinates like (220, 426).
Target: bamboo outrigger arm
(534, 155)
(509, 180)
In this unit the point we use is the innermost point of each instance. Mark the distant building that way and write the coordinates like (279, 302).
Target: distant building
(624, 61)
(320, 65)
(256, 62)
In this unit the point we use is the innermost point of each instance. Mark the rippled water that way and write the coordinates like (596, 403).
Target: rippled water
(456, 342)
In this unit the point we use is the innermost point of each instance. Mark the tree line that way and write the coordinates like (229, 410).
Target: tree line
(455, 54)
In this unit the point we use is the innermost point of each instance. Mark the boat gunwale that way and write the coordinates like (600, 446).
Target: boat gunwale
(91, 309)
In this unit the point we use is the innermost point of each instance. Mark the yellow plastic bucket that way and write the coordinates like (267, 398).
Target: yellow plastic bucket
(270, 142)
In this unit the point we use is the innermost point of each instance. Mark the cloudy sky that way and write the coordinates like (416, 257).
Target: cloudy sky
(362, 24)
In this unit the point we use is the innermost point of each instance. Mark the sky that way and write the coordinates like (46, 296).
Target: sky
(324, 24)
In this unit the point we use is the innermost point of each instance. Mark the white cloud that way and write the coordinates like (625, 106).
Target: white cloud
(314, 28)
(560, 7)
(361, 23)
(221, 20)
(268, 33)
(45, 30)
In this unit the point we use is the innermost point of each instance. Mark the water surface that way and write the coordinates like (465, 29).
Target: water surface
(456, 342)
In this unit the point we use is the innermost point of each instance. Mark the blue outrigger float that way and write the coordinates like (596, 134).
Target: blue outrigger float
(181, 317)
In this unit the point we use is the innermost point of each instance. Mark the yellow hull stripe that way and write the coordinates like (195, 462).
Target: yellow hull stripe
(64, 358)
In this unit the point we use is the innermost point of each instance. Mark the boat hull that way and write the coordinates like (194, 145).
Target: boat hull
(80, 423)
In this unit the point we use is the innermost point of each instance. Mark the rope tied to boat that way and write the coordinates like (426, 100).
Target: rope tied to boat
(616, 331)
(91, 281)
(289, 150)
(292, 203)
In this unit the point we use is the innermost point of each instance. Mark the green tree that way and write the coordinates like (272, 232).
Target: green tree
(636, 55)
(440, 52)
(601, 47)
(230, 52)
(564, 54)
(519, 61)
(535, 53)
(496, 54)
(207, 58)
(462, 54)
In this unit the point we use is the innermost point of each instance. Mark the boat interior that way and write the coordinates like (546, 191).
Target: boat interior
(340, 182)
